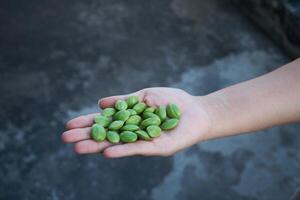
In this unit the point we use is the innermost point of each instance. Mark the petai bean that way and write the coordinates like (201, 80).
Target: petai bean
(134, 119)
(143, 135)
(121, 105)
(148, 115)
(107, 112)
(116, 125)
(130, 127)
(122, 115)
(128, 136)
(139, 107)
(132, 112)
(161, 112)
(173, 111)
(98, 132)
(153, 131)
(169, 124)
(149, 109)
(101, 120)
(113, 137)
(150, 121)
(131, 101)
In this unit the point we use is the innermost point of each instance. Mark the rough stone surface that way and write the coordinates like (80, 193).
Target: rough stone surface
(280, 19)
(58, 57)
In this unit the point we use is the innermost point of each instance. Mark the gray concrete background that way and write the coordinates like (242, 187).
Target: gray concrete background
(58, 57)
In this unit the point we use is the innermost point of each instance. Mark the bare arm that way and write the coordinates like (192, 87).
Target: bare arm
(266, 101)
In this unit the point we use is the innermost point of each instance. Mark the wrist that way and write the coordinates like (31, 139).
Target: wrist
(213, 106)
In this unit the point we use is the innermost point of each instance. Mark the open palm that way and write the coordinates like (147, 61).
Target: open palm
(193, 124)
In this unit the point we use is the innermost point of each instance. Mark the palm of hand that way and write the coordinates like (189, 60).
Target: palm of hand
(192, 125)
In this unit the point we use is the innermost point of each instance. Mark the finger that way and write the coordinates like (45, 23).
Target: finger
(109, 101)
(145, 148)
(90, 146)
(81, 121)
(75, 135)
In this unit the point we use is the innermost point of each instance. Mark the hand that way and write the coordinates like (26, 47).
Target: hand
(193, 125)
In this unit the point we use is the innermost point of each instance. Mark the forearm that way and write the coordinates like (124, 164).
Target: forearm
(263, 102)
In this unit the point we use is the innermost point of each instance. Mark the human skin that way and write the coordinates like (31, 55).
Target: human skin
(269, 100)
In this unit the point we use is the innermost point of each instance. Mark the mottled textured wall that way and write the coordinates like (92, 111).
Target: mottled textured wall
(58, 57)
(279, 19)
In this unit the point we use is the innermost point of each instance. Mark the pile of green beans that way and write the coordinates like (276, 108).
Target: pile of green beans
(131, 120)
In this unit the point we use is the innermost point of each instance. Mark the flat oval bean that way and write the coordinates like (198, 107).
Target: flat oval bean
(121, 105)
(150, 121)
(101, 120)
(148, 115)
(132, 112)
(130, 127)
(161, 112)
(116, 125)
(122, 115)
(143, 135)
(169, 124)
(134, 119)
(98, 132)
(113, 137)
(139, 107)
(173, 111)
(128, 136)
(107, 112)
(153, 131)
(149, 109)
(132, 100)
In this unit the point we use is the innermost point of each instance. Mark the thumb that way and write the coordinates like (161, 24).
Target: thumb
(110, 101)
